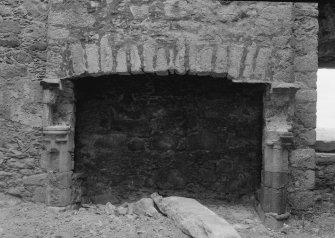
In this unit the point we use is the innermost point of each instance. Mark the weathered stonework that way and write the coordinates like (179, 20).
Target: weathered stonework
(326, 34)
(171, 135)
(23, 44)
(270, 43)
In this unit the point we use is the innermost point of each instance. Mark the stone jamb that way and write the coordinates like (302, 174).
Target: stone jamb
(58, 141)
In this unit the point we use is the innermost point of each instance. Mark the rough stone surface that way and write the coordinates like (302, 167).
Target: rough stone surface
(121, 61)
(92, 58)
(303, 158)
(235, 57)
(78, 59)
(302, 200)
(168, 134)
(135, 60)
(263, 42)
(193, 218)
(146, 207)
(219, 47)
(106, 55)
(327, 33)
(325, 172)
(23, 54)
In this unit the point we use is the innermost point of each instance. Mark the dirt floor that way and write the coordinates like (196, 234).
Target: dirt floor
(22, 219)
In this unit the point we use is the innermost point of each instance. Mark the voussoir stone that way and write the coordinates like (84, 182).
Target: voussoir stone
(193, 218)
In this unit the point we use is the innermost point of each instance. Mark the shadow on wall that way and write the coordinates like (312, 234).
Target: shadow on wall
(181, 134)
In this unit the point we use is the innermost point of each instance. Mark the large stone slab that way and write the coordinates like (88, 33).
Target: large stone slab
(193, 218)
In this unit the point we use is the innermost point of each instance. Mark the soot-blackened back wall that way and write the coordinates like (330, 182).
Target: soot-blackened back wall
(186, 135)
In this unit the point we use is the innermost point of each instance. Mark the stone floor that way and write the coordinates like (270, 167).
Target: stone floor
(21, 219)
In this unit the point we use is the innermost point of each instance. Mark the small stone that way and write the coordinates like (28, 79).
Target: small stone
(38, 179)
(285, 229)
(57, 209)
(135, 61)
(239, 226)
(121, 211)
(10, 27)
(5, 11)
(180, 57)
(204, 60)
(161, 63)
(82, 209)
(10, 41)
(249, 221)
(106, 55)
(306, 95)
(131, 216)
(121, 61)
(235, 57)
(248, 68)
(58, 33)
(145, 206)
(148, 55)
(110, 208)
(221, 63)
(261, 63)
(78, 59)
(139, 12)
(315, 230)
(92, 58)
(141, 231)
(307, 62)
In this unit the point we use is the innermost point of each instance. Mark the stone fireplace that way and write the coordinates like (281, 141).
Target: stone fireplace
(201, 119)
(212, 106)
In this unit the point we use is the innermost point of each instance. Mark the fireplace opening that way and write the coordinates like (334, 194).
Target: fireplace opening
(191, 136)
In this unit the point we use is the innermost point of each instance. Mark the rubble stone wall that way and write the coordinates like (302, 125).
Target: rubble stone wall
(301, 195)
(327, 34)
(198, 137)
(23, 45)
(251, 41)
(265, 42)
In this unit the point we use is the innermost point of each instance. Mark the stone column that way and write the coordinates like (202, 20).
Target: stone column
(277, 142)
(59, 165)
(58, 145)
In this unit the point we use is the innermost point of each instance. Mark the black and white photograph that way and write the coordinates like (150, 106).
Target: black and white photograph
(167, 119)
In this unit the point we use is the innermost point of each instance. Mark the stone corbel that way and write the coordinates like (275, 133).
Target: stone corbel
(50, 94)
(51, 83)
